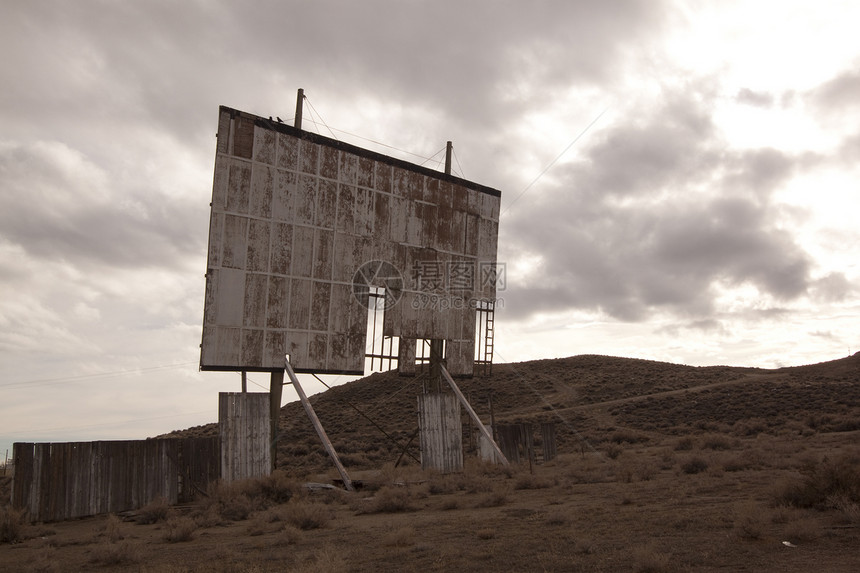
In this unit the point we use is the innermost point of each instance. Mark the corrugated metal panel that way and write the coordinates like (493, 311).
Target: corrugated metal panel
(441, 432)
(243, 426)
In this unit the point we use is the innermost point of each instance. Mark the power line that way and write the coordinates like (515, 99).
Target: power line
(105, 424)
(553, 162)
(51, 381)
(333, 129)
(549, 405)
(256, 384)
(432, 157)
(314, 110)
(460, 167)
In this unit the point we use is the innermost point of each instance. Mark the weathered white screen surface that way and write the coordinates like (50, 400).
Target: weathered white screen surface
(295, 215)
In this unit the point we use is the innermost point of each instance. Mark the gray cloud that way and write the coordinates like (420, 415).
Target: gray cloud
(141, 62)
(839, 93)
(58, 205)
(755, 98)
(833, 287)
(658, 216)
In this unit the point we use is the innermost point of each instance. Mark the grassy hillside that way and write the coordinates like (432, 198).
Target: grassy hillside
(594, 400)
(662, 468)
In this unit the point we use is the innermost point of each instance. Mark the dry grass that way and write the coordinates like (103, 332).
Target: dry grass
(803, 530)
(713, 441)
(208, 515)
(11, 524)
(823, 484)
(496, 498)
(289, 535)
(236, 501)
(274, 489)
(450, 504)
(305, 516)
(153, 512)
(557, 518)
(178, 529)
(400, 537)
(531, 481)
(230, 501)
(684, 444)
(649, 560)
(121, 553)
(46, 562)
(750, 521)
(849, 510)
(694, 465)
(486, 533)
(113, 529)
(326, 560)
(643, 511)
(390, 500)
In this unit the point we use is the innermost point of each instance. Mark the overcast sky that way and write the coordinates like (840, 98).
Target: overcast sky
(679, 179)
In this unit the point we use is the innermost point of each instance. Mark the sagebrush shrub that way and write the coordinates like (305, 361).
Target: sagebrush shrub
(391, 500)
(153, 512)
(179, 529)
(306, 516)
(122, 553)
(113, 528)
(11, 524)
(402, 537)
(694, 465)
(749, 521)
(492, 499)
(649, 560)
(822, 483)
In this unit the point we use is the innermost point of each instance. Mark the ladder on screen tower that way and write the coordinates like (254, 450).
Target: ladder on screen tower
(488, 341)
(489, 320)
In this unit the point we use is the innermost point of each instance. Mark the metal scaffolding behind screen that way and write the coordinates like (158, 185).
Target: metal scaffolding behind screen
(422, 353)
(382, 350)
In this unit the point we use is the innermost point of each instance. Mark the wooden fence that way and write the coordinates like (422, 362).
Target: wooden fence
(57, 481)
(517, 442)
(441, 434)
(245, 431)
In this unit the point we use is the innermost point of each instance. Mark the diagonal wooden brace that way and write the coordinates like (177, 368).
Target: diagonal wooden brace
(319, 428)
(474, 416)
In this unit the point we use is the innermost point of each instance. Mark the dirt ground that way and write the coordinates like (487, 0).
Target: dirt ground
(743, 470)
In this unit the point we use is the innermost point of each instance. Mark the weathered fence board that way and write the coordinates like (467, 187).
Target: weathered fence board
(243, 424)
(486, 451)
(57, 481)
(547, 434)
(517, 441)
(441, 433)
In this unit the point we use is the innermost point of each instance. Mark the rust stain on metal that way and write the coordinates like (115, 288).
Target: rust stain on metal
(294, 215)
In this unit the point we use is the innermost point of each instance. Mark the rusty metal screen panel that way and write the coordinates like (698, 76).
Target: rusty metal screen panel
(302, 226)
